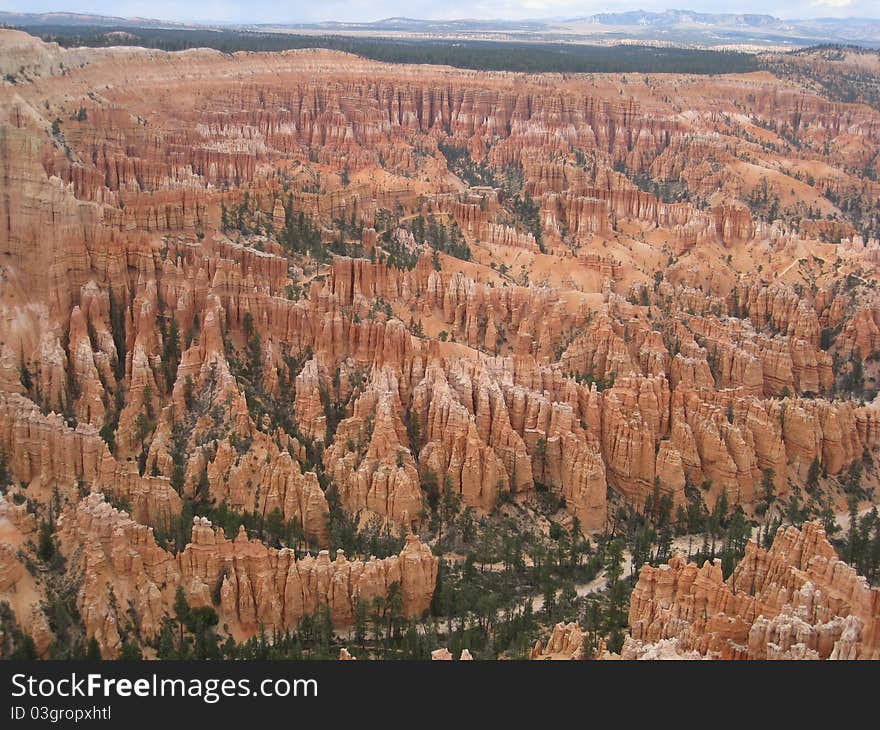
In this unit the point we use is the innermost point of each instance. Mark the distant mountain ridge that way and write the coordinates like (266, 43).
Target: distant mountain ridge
(80, 19)
(674, 26)
(674, 17)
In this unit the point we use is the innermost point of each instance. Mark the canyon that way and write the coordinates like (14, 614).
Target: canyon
(252, 301)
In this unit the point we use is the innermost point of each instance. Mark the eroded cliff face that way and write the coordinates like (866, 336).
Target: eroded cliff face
(797, 600)
(262, 283)
(18, 588)
(45, 454)
(249, 584)
(566, 641)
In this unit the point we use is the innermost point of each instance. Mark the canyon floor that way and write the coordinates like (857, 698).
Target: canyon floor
(302, 352)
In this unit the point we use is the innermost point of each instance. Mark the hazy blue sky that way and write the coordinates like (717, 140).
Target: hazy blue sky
(315, 10)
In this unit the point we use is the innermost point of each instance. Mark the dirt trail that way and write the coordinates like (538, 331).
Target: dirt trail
(594, 586)
(684, 545)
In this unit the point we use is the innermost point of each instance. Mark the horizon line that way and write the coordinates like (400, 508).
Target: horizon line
(553, 18)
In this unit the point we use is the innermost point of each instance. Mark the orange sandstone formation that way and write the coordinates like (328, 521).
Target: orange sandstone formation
(251, 585)
(797, 600)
